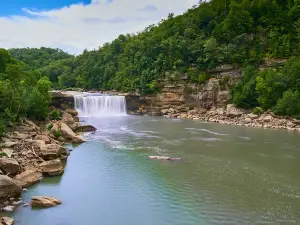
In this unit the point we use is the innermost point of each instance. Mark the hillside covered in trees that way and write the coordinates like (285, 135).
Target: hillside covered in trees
(23, 92)
(239, 32)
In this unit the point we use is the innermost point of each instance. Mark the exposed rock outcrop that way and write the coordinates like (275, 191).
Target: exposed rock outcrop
(44, 202)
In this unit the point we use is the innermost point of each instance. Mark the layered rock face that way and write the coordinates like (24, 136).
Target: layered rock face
(179, 94)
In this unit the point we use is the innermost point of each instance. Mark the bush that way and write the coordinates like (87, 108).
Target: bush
(57, 133)
(3, 128)
(49, 126)
(289, 104)
(258, 111)
(297, 117)
(55, 115)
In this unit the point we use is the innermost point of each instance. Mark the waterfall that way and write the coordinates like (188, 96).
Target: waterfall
(89, 105)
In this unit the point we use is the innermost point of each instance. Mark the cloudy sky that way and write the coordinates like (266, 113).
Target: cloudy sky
(75, 25)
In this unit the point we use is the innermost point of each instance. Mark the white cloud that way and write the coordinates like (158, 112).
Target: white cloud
(80, 27)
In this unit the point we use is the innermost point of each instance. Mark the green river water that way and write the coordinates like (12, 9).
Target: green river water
(228, 175)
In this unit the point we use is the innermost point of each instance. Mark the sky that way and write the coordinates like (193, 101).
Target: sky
(75, 25)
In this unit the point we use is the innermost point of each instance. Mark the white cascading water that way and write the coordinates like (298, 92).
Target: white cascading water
(89, 105)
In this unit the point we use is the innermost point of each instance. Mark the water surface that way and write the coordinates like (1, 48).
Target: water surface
(228, 175)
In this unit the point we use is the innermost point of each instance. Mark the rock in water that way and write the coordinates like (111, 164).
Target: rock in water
(52, 168)
(9, 166)
(43, 201)
(85, 128)
(9, 188)
(6, 221)
(163, 158)
(29, 177)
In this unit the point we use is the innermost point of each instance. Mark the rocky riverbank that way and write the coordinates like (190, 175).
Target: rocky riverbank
(225, 115)
(31, 152)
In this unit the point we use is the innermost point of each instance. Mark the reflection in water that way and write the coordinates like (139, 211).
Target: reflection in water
(229, 175)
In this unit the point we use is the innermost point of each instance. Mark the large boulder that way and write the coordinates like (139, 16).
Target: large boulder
(9, 166)
(6, 221)
(232, 111)
(28, 177)
(52, 167)
(85, 128)
(43, 201)
(9, 188)
(69, 134)
(52, 151)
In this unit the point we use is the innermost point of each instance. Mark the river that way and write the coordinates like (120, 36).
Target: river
(228, 175)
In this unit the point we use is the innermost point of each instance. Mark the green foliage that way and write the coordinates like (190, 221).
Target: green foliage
(289, 104)
(258, 111)
(244, 93)
(38, 58)
(209, 34)
(55, 114)
(23, 92)
(57, 133)
(49, 126)
(297, 117)
(3, 154)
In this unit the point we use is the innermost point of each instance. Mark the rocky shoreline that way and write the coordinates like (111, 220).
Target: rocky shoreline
(31, 152)
(229, 115)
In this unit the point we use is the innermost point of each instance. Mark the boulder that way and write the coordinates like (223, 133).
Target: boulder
(67, 118)
(44, 138)
(68, 134)
(52, 168)
(9, 188)
(9, 166)
(19, 136)
(28, 177)
(85, 128)
(248, 120)
(73, 112)
(268, 118)
(232, 111)
(9, 208)
(163, 158)
(291, 124)
(43, 201)
(164, 111)
(51, 151)
(252, 116)
(6, 221)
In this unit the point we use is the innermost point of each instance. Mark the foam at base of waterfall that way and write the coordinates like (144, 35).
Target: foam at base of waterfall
(100, 105)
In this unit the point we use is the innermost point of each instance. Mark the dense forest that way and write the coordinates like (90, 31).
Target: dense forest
(239, 32)
(23, 92)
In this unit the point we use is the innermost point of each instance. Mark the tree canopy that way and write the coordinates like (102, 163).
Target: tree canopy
(239, 32)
